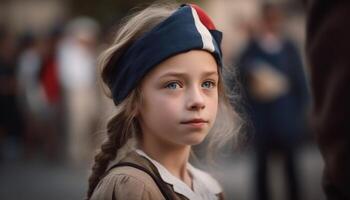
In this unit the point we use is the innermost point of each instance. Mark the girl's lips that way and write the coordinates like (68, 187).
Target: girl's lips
(195, 123)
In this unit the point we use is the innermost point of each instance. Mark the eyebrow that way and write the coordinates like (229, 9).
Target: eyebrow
(180, 74)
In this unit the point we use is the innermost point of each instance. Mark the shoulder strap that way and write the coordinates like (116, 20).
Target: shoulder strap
(162, 187)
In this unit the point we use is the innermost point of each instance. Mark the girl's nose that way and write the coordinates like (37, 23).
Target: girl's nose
(195, 99)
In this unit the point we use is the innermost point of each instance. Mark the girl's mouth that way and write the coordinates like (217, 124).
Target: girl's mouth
(195, 123)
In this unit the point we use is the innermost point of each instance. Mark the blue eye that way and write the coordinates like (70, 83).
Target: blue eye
(172, 85)
(208, 84)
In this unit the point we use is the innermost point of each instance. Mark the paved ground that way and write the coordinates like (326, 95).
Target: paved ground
(38, 179)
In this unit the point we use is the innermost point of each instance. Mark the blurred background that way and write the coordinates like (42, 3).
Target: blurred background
(53, 111)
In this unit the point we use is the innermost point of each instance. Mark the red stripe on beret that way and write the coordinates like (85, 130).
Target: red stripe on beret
(205, 19)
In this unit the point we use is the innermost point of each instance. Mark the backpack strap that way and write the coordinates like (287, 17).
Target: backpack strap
(161, 185)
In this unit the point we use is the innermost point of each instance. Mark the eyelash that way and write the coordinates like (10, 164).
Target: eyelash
(169, 84)
(212, 84)
(172, 83)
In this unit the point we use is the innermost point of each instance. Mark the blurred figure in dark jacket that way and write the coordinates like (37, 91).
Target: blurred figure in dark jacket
(10, 119)
(328, 53)
(276, 92)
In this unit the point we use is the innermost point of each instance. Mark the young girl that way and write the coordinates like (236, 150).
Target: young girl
(164, 72)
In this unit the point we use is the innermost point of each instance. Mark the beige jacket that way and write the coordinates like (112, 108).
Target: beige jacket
(129, 183)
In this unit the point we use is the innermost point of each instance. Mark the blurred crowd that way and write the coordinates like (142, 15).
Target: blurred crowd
(49, 93)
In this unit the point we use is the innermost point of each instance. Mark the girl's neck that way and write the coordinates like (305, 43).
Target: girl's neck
(173, 158)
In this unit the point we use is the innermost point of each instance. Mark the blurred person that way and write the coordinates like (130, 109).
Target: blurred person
(77, 74)
(29, 61)
(49, 70)
(276, 90)
(30, 94)
(327, 50)
(49, 80)
(164, 74)
(10, 119)
(40, 92)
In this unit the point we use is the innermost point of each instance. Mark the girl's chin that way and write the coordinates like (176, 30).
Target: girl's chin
(194, 140)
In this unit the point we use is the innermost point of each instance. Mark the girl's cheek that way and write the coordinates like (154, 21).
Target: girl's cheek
(164, 103)
(171, 106)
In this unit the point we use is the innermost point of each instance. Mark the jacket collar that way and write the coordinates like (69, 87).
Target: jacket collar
(204, 186)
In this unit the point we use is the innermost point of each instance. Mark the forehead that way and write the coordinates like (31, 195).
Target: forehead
(191, 62)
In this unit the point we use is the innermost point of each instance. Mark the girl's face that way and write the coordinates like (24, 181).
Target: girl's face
(180, 99)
